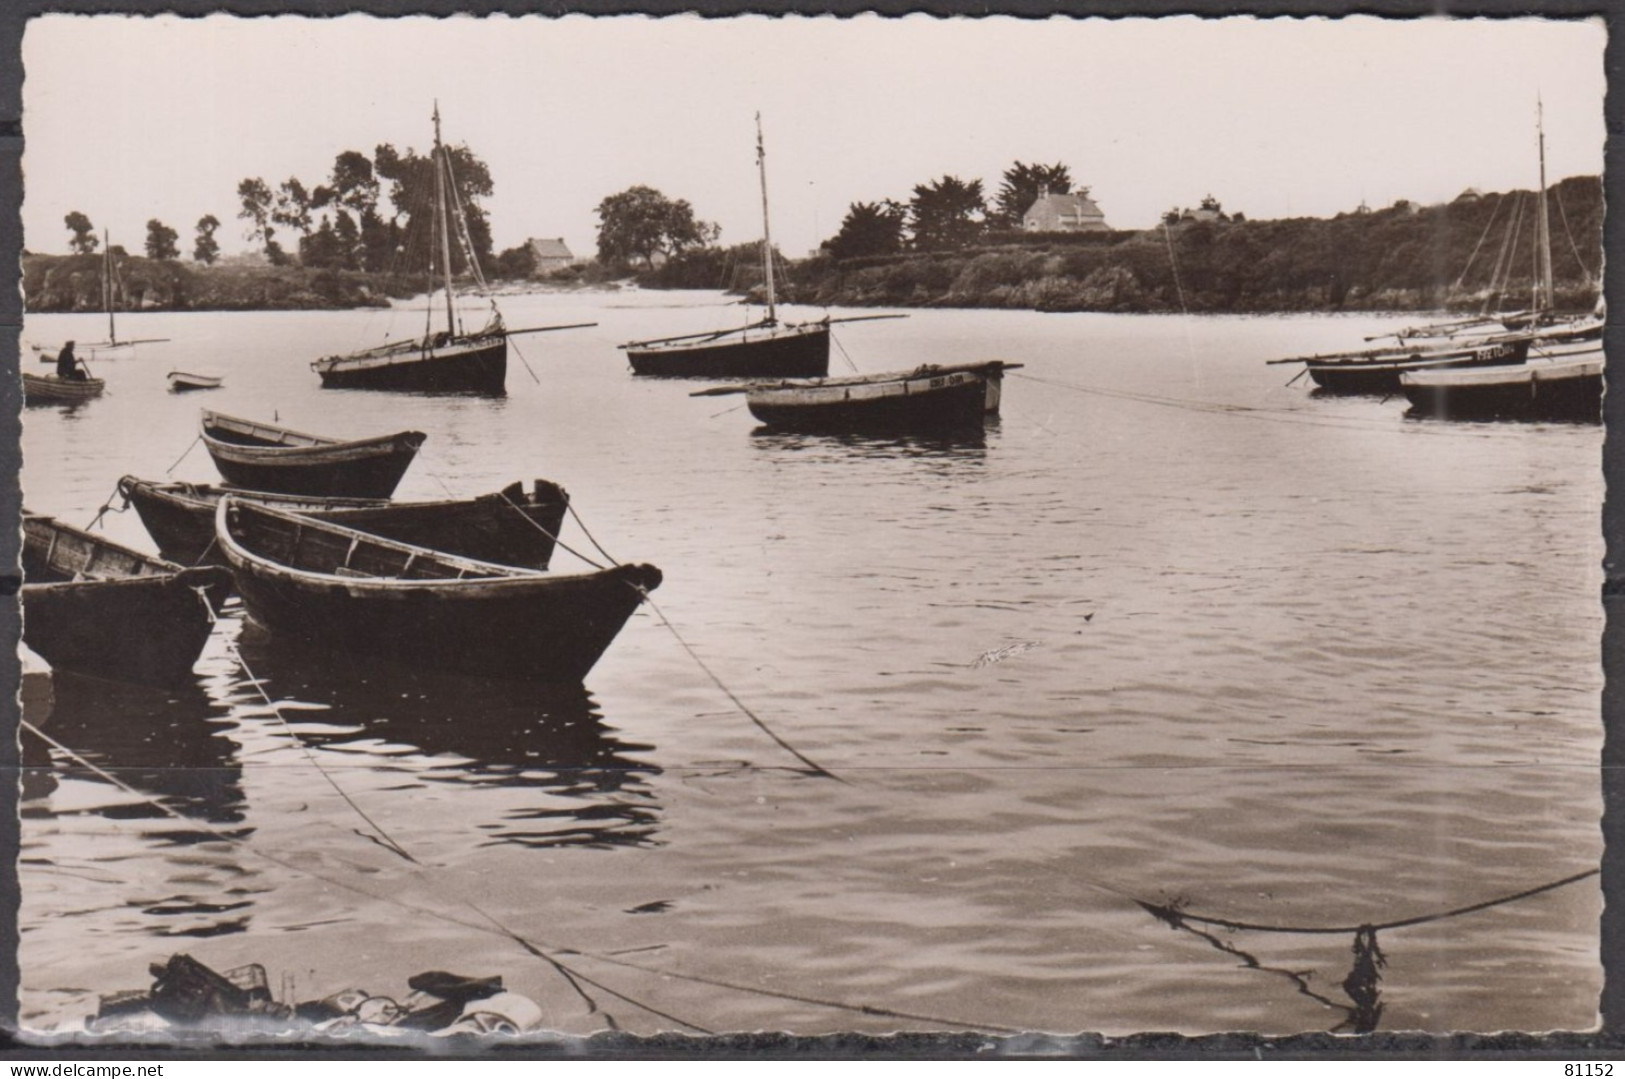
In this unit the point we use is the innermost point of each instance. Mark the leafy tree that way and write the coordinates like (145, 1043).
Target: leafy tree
(84, 240)
(870, 228)
(412, 193)
(206, 249)
(946, 213)
(322, 249)
(517, 263)
(292, 209)
(353, 183)
(161, 241)
(640, 222)
(258, 204)
(1022, 184)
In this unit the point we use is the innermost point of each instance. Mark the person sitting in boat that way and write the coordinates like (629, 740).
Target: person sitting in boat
(68, 367)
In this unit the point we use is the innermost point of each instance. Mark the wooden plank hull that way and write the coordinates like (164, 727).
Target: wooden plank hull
(93, 607)
(927, 399)
(781, 352)
(1566, 391)
(1381, 374)
(512, 527)
(51, 390)
(468, 365)
(288, 462)
(298, 579)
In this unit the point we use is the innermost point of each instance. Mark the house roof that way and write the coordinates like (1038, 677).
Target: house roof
(1062, 204)
(550, 248)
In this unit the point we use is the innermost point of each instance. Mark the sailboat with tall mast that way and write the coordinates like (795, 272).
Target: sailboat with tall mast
(450, 360)
(112, 348)
(766, 348)
(1562, 379)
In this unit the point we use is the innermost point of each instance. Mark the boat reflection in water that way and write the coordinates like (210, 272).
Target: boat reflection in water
(172, 752)
(966, 444)
(535, 763)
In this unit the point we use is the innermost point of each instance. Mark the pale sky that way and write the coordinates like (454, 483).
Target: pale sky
(129, 118)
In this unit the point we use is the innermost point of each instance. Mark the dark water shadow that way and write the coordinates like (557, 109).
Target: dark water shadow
(538, 762)
(968, 444)
(173, 762)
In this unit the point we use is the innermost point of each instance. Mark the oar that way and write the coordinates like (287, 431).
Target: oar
(550, 329)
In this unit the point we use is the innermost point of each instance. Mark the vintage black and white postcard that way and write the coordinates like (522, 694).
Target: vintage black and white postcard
(538, 526)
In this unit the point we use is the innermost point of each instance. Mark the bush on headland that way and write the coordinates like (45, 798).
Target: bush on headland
(74, 283)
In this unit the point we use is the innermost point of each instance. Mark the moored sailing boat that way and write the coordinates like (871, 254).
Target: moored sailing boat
(112, 348)
(452, 360)
(766, 348)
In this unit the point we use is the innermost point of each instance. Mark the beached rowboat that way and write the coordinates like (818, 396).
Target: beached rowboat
(94, 607)
(318, 584)
(513, 526)
(264, 457)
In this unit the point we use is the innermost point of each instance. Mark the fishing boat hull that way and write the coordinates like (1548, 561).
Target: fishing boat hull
(462, 365)
(95, 608)
(329, 588)
(512, 527)
(927, 398)
(262, 457)
(185, 381)
(51, 390)
(1566, 390)
(777, 352)
(1361, 374)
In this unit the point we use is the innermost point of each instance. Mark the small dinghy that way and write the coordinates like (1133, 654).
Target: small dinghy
(513, 526)
(182, 381)
(318, 584)
(55, 390)
(92, 606)
(264, 457)
(932, 397)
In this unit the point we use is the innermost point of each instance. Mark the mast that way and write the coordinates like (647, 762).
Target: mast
(1543, 233)
(767, 238)
(440, 220)
(107, 285)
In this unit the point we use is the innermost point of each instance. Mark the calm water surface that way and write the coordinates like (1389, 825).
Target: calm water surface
(1172, 631)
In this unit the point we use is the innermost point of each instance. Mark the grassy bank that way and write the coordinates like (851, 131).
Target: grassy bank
(54, 283)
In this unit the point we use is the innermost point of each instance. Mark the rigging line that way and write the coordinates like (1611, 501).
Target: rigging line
(596, 545)
(1496, 209)
(741, 705)
(515, 346)
(571, 975)
(195, 440)
(1171, 913)
(1344, 423)
(451, 919)
(800, 998)
(1557, 190)
(557, 542)
(1501, 269)
(844, 355)
(259, 687)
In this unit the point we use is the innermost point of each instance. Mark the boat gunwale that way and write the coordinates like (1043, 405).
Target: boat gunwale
(1556, 370)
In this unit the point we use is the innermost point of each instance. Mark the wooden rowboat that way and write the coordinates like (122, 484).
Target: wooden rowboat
(182, 381)
(264, 457)
(314, 583)
(52, 390)
(513, 526)
(94, 607)
(930, 397)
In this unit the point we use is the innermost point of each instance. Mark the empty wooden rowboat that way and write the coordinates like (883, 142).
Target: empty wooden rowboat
(265, 457)
(930, 397)
(314, 583)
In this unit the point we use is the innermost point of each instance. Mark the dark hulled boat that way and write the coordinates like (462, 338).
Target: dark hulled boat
(931, 397)
(514, 527)
(265, 457)
(1377, 371)
(1564, 387)
(315, 583)
(765, 349)
(94, 607)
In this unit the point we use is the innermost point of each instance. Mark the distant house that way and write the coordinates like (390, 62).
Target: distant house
(550, 254)
(1064, 213)
(1472, 194)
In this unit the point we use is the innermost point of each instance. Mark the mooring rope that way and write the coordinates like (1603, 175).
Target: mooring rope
(556, 541)
(198, 438)
(844, 355)
(588, 533)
